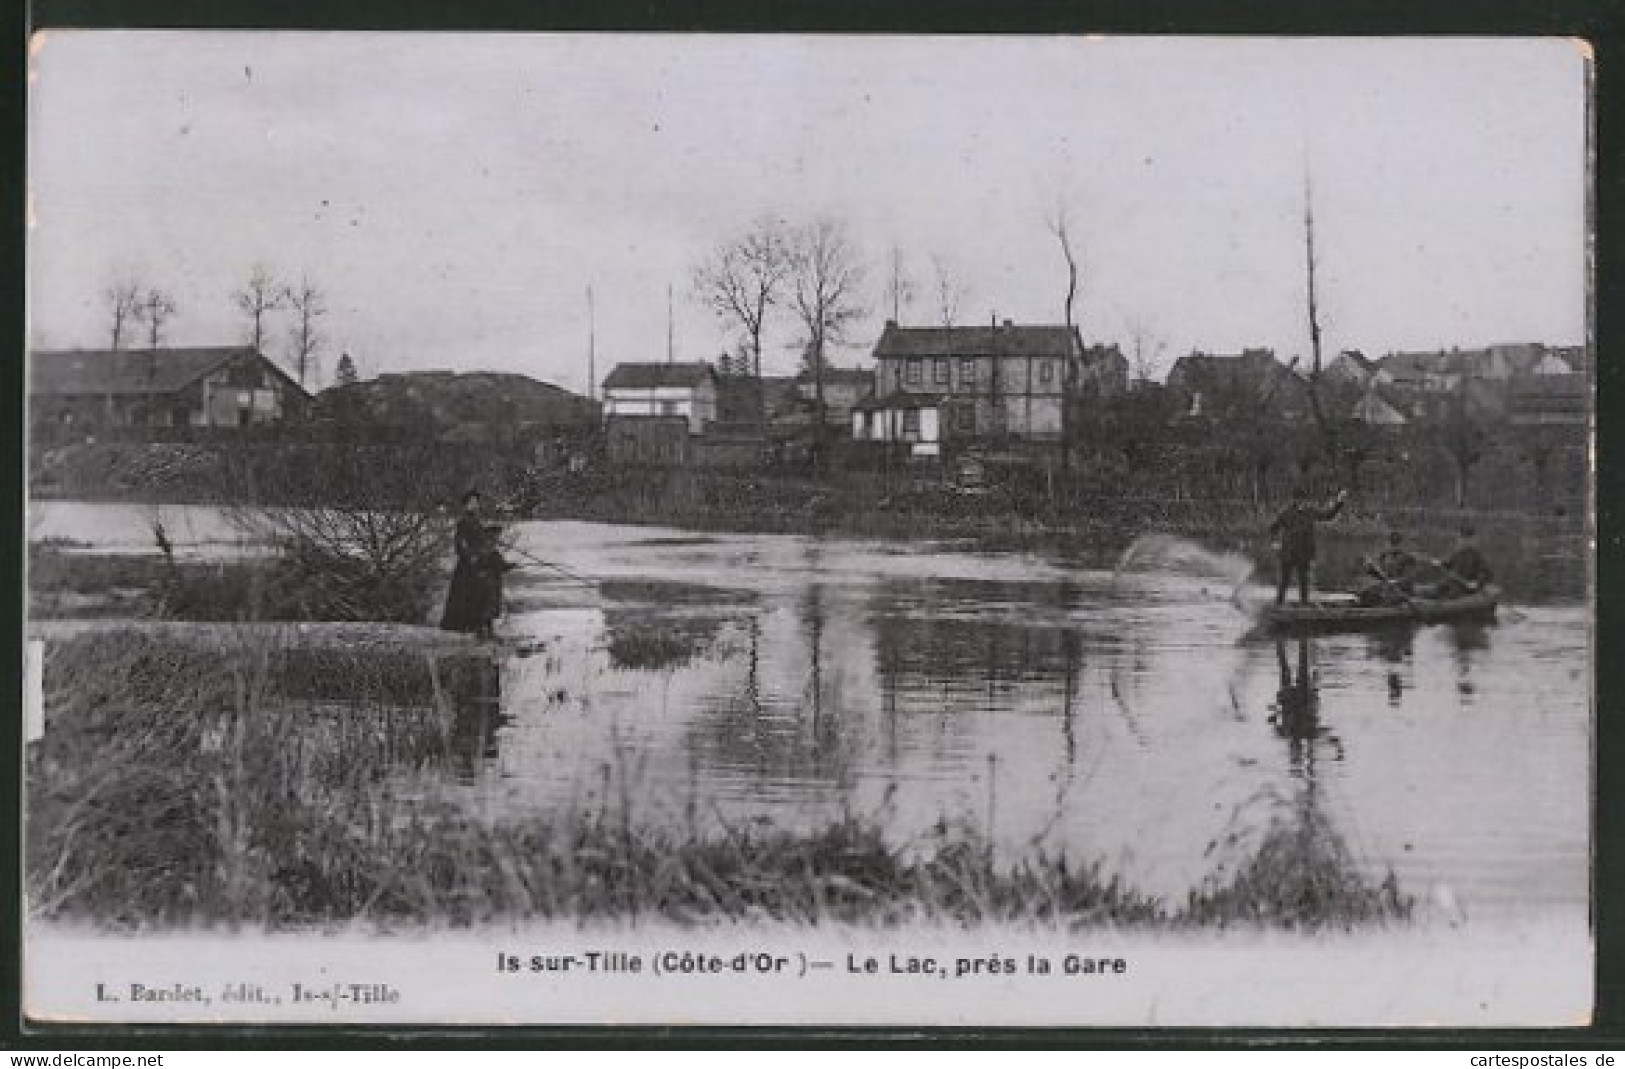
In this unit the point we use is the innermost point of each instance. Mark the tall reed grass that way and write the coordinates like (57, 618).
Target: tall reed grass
(265, 787)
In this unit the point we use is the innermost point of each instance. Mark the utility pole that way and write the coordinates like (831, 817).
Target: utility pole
(592, 369)
(671, 348)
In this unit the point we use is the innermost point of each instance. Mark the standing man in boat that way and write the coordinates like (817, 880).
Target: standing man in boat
(1295, 527)
(474, 600)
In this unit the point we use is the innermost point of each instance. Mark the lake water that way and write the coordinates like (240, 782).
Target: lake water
(780, 682)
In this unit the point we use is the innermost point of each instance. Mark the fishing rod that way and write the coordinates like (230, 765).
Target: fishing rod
(567, 573)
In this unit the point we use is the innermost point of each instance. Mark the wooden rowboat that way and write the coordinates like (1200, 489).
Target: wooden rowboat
(1345, 613)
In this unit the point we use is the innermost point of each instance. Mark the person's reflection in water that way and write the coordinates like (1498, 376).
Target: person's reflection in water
(473, 692)
(1467, 639)
(1296, 712)
(1394, 645)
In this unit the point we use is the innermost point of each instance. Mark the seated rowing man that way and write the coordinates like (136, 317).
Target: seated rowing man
(1465, 570)
(1391, 577)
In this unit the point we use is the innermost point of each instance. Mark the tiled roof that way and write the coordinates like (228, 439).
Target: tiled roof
(652, 376)
(841, 376)
(1009, 340)
(125, 371)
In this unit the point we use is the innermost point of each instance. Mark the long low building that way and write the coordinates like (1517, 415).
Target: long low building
(81, 389)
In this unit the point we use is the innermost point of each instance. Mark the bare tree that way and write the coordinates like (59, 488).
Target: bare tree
(743, 279)
(123, 307)
(1059, 225)
(156, 308)
(1147, 347)
(899, 287)
(951, 293)
(826, 277)
(123, 310)
(309, 304)
(259, 297)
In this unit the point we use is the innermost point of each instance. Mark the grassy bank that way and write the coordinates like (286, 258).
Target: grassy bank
(274, 788)
(301, 583)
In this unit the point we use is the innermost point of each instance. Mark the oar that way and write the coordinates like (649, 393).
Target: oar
(1382, 577)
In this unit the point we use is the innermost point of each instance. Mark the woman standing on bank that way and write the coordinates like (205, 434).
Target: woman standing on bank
(475, 599)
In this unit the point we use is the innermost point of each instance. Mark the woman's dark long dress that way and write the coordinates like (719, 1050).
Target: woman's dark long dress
(474, 600)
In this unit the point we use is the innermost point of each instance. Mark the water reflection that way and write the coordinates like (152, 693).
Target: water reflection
(472, 692)
(1126, 720)
(1292, 864)
(1295, 715)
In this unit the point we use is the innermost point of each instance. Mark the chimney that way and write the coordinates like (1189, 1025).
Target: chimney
(891, 324)
(1008, 323)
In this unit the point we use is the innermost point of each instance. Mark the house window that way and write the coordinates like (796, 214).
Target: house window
(967, 369)
(965, 419)
(911, 422)
(914, 372)
(940, 371)
(668, 408)
(1046, 371)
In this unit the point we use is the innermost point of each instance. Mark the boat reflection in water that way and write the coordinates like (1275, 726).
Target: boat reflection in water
(1300, 872)
(784, 684)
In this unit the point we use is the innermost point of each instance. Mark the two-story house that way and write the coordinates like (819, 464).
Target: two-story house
(687, 390)
(934, 384)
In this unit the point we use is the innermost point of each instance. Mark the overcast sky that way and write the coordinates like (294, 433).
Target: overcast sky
(455, 195)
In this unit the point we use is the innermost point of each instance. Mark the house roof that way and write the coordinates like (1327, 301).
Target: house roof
(653, 376)
(1353, 356)
(1254, 369)
(128, 371)
(841, 376)
(1009, 340)
(1404, 366)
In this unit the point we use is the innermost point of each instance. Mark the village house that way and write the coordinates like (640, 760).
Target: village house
(1450, 369)
(937, 384)
(743, 398)
(1355, 368)
(1380, 406)
(844, 387)
(80, 390)
(1549, 400)
(688, 390)
(1245, 386)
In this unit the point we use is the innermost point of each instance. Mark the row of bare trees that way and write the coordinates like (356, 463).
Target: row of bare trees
(815, 274)
(132, 302)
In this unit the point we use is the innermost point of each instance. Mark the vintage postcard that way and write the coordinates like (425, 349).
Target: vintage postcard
(775, 529)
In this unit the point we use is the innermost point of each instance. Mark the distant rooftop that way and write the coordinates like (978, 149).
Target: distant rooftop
(653, 376)
(1009, 339)
(125, 371)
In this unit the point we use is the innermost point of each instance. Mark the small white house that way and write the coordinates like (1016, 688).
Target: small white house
(687, 390)
(901, 417)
